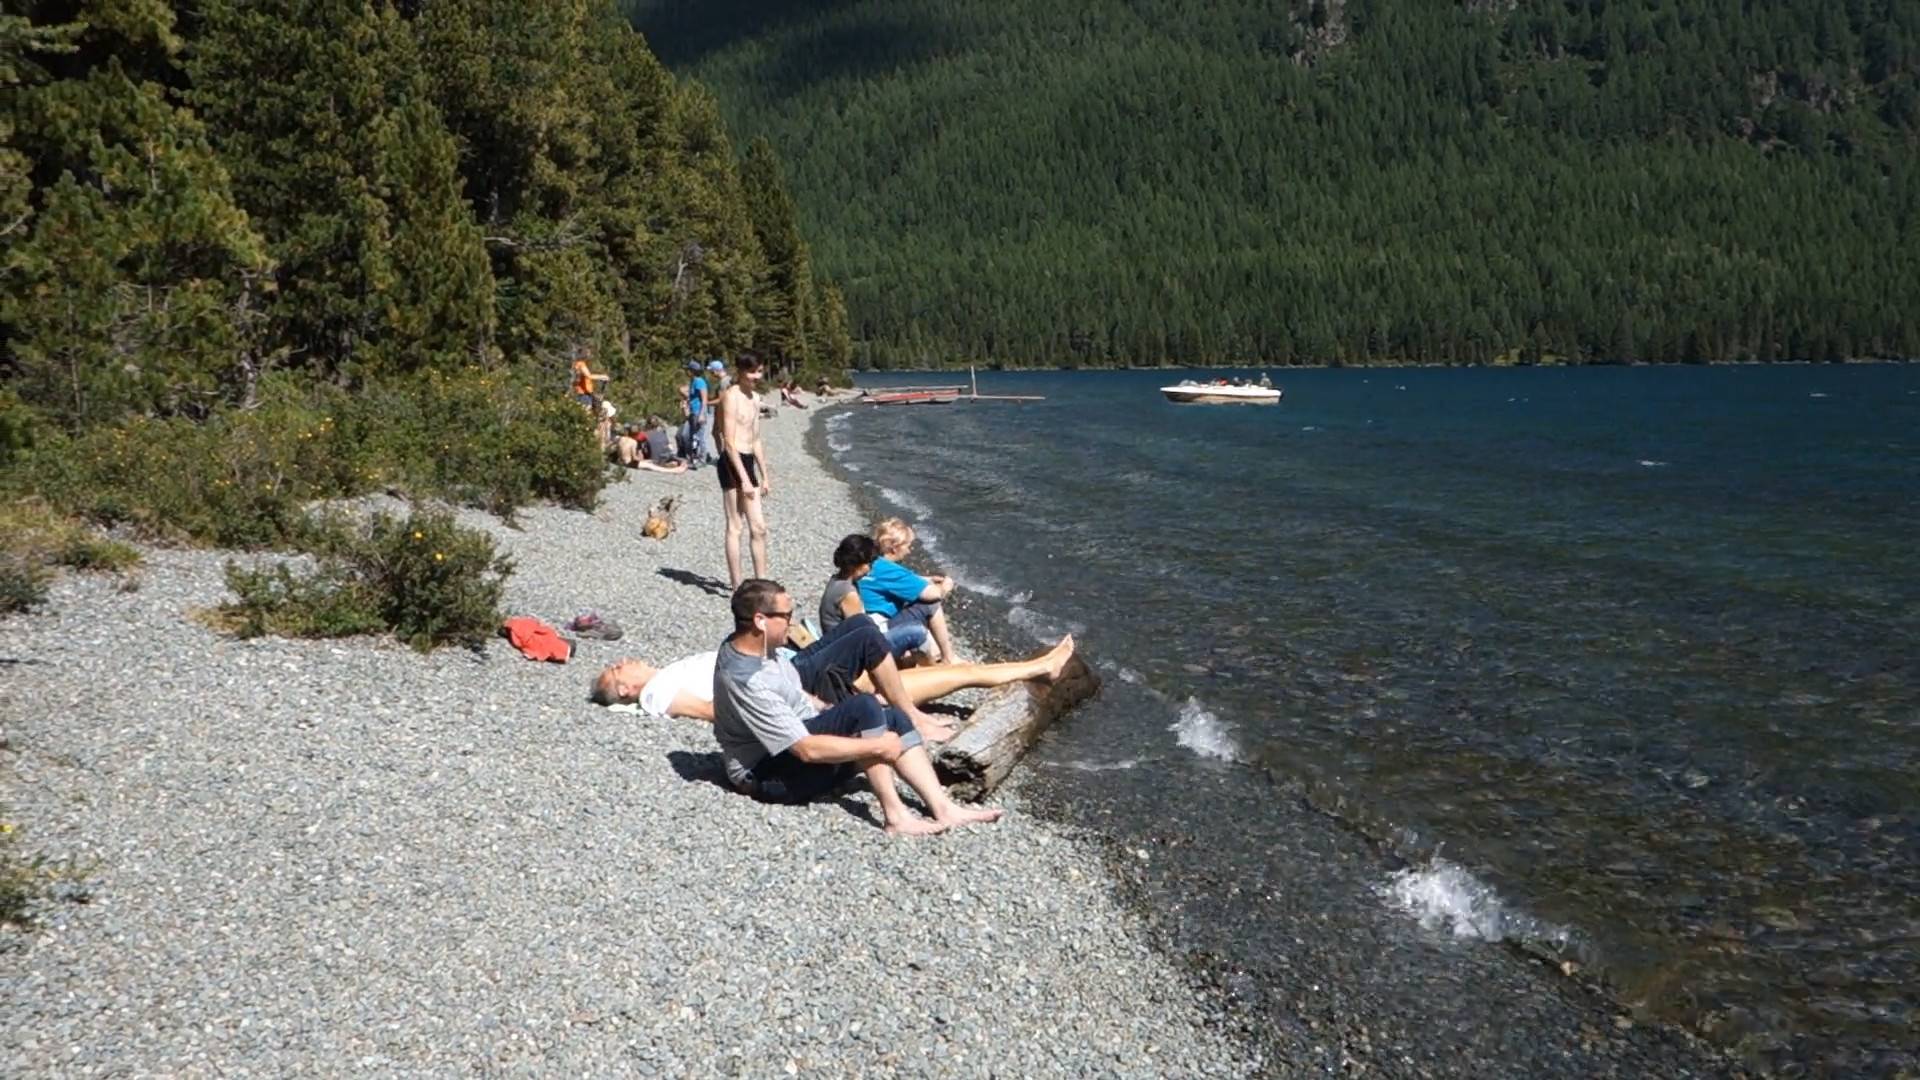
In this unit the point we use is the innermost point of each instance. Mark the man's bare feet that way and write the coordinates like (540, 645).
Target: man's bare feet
(1058, 656)
(917, 826)
(958, 815)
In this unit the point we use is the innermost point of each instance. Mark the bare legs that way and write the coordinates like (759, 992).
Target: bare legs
(741, 506)
(917, 770)
(757, 533)
(938, 627)
(924, 684)
(886, 677)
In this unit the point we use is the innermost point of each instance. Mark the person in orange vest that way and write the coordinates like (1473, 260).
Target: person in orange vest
(585, 380)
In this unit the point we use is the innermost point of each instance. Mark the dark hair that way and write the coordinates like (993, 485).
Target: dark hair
(747, 361)
(854, 551)
(754, 597)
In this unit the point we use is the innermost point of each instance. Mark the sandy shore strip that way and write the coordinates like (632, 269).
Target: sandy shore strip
(323, 857)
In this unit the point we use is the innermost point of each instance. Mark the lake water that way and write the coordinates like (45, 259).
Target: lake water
(1615, 665)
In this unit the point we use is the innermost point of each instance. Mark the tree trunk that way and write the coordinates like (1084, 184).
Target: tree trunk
(1001, 730)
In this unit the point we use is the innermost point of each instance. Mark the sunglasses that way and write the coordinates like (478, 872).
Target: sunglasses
(787, 614)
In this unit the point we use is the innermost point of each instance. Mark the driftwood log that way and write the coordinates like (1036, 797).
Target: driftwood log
(1005, 725)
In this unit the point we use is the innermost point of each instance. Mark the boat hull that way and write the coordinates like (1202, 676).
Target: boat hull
(1221, 395)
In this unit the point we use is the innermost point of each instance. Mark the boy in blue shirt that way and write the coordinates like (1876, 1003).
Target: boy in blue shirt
(697, 413)
(908, 601)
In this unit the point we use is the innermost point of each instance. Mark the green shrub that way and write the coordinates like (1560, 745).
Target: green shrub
(23, 583)
(34, 538)
(240, 479)
(275, 600)
(244, 478)
(438, 583)
(487, 438)
(426, 579)
(23, 880)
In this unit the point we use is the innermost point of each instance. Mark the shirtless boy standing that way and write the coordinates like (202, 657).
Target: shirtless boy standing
(744, 477)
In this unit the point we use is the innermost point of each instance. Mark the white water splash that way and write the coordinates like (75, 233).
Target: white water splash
(1041, 627)
(1100, 766)
(1444, 896)
(908, 503)
(1816, 394)
(1203, 733)
(1128, 675)
(1650, 464)
(849, 466)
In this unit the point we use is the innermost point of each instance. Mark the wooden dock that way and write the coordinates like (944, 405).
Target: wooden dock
(939, 395)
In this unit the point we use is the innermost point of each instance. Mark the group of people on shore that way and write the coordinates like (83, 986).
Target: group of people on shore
(794, 724)
(795, 718)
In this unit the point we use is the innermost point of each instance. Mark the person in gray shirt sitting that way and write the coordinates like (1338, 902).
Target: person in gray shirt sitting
(783, 745)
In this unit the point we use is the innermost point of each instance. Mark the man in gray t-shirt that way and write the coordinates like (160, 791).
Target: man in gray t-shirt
(783, 745)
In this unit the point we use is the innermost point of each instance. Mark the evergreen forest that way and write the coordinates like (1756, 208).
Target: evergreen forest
(259, 252)
(1090, 182)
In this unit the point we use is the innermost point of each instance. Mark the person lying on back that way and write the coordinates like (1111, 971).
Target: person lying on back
(828, 671)
(852, 658)
(901, 596)
(784, 745)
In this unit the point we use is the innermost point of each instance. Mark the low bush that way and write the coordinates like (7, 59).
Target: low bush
(245, 477)
(23, 881)
(426, 579)
(240, 479)
(23, 583)
(34, 539)
(480, 438)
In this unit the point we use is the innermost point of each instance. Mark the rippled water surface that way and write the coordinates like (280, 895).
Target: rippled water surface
(1621, 662)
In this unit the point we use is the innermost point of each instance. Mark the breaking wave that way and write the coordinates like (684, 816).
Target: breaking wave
(1204, 733)
(1443, 896)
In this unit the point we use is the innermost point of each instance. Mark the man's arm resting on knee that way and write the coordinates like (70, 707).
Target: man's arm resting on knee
(834, 749)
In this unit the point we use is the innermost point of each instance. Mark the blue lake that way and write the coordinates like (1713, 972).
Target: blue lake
(1618, 664)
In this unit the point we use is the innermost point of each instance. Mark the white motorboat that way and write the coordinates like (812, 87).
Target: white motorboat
(1220, 393)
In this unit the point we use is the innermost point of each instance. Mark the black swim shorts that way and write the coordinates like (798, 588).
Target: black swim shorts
(728, 481)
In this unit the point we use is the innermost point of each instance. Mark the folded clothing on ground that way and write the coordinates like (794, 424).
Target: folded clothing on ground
(536, 640)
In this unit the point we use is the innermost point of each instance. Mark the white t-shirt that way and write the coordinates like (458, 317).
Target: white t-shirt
(693, 674)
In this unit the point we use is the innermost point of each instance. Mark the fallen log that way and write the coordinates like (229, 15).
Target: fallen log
(1005, 725)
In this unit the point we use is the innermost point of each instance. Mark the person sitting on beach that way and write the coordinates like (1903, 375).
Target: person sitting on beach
(650, 448)
(901, 596)
(684, 688)
(790, 394)
(784, 745)
(852, 561)
(603, 423)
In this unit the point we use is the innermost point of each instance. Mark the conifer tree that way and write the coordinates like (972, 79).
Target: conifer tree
(784, 308)
(518, 86)
(136, 282)
(319, 108)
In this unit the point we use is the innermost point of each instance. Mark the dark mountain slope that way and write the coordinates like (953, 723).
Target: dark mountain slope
(1076, 181)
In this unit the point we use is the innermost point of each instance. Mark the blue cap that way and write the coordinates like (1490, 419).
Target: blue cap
(715, 365)
(693, 365)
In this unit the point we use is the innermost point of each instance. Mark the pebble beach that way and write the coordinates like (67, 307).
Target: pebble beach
(323, 857)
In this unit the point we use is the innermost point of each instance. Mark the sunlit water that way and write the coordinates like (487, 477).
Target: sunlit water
(1619, 662)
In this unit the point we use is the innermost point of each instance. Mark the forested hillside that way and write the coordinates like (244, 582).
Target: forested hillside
(265, 251)
(1093, 182)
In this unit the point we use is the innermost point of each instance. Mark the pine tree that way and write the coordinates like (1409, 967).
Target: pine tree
(519, 88)
(136, 283)
(783, 298)
(319, 108)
